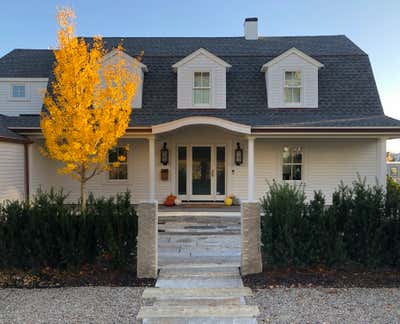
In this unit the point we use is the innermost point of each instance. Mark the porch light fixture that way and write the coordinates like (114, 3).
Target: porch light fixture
(238, 154)
(164, 154)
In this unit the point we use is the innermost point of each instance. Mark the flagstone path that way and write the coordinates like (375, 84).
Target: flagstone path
(199, 279)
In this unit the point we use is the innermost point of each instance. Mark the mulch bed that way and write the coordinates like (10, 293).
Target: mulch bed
(84, 276)
(346, 277)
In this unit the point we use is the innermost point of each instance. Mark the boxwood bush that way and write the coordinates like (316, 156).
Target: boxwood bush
(49, 232)
(362, 226)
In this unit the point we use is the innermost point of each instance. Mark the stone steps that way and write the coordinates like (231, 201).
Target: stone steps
(225, 311)
(199, 280)
(200, 265)
(196, 293)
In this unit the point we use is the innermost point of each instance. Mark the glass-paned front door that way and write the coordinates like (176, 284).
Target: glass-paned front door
(220, 166)
(182, 170)
(201, 170)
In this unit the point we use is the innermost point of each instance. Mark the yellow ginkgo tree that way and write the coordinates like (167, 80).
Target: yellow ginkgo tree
(87, 106)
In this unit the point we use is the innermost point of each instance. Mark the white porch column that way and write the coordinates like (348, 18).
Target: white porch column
(250, 166)
(381, 165)
(152, 169)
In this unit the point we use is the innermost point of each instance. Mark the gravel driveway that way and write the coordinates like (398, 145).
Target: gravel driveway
(278, 305)
(328, 305)
(70, 305)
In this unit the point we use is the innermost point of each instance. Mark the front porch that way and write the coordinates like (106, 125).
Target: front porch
(202, 168)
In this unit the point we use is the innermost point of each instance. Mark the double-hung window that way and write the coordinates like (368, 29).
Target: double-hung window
(292, 158)
(18, 92)
(201, 89)
(292, 90)
(118, 163)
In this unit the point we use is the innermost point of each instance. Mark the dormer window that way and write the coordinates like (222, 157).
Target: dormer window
(201, 81)
(201, 89)
(292, 87)
(292, 80)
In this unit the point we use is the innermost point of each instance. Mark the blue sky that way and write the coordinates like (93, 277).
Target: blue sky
(372, 24)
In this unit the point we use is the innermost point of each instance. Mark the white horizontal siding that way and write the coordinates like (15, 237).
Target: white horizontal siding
(275, 82)
(12, 171)
(32, 105)
(44, 174)
(326, 163)
(201, 63)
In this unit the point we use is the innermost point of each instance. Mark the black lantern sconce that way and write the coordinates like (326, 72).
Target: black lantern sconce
(164, 154)
(238, 154)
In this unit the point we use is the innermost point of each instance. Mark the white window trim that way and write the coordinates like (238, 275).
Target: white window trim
(118, 181)
(303, 163)
(27, 92)
(209, 105)
(293, 104)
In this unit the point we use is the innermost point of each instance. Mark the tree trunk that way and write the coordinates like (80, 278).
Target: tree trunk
(83, 191)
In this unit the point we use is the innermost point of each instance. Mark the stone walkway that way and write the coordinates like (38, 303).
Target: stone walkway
(199, 279)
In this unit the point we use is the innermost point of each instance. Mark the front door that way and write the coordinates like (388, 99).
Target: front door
(201, 172)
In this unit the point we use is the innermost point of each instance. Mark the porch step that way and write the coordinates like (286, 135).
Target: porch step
(200, 272)
(180, 213)
(196, 293)
(200, 265)
(176, 312)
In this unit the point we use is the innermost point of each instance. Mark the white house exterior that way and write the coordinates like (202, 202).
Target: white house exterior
(301, 109)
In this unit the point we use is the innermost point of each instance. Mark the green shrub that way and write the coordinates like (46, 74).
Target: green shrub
(284, 207)
(361, 226)
(50, 232)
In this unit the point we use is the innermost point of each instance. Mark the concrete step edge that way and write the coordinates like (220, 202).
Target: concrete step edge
(225, 311)
(199, 265)
(196, 292)
(198, 214)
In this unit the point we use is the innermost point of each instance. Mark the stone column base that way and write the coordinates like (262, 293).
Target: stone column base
(147, 240)
(251, 261)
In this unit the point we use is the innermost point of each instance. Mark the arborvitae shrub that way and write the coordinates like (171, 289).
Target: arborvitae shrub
(50, 232)
(361, 226)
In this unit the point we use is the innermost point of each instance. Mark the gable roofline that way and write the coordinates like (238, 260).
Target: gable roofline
(125, 55)
(291, 51)
(201, 51)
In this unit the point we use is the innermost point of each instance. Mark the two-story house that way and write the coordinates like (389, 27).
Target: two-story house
(215, 116)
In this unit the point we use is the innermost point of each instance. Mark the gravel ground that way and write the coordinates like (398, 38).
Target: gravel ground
(277, 305)
(70, 305)
(328, 305)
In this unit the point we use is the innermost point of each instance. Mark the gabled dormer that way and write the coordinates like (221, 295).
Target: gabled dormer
(292, 80)
(113, 56)
(201, 81)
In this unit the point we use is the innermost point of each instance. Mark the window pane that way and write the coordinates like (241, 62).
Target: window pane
(220, 170)
(286, 155)
(18, 91)
(286, 172)
(201, 170)
(297, 156)
(123, 152)
(197, 79)
(296, 172)
(292, 79)
(182, 170)
(206, 79)
(295, 94)
(288, 95)
(288, 75)
(201, 96)
(113, 155)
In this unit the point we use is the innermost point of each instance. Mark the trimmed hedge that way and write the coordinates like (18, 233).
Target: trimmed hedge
(49, 232)
(361, 226)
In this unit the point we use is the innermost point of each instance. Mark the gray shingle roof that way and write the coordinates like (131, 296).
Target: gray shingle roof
(7, 134)
(348, 96)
